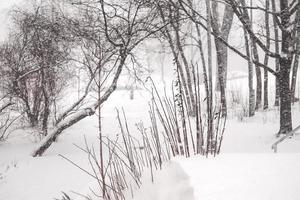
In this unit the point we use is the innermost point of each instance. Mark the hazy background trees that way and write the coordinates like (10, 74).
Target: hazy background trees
(34, 63)
(51, 41)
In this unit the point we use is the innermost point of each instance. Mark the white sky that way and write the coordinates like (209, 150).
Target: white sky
(234, 61)
(5, 5)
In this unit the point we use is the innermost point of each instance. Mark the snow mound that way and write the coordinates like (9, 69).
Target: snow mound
(171, 183)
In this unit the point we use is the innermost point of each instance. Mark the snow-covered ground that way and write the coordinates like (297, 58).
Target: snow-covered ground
(244, 176)
(246, 169)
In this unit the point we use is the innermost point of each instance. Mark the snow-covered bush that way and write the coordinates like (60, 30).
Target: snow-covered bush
(7, 118)
(33, 63)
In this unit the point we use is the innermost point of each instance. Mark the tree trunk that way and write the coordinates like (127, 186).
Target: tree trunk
(251, 90)
(176, 27)
(49, 139)
(266, 59)
(81, 114)
(221, 79)
(258, 76)
(255, 57)
(210, 88)
(294, 77)
(33, 120)
(222, 31)
(46, 111)
(176, 59)
(277, 64)
(285, 68)
(285, 98)
(266, 99)
(296, 59)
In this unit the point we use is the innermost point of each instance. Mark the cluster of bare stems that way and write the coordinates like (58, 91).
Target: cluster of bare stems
(187, 135)
(6, 119)
(122, 161)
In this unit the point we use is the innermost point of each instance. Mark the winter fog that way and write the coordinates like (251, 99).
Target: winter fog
(149, 99)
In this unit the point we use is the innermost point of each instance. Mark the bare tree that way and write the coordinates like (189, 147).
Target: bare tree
(222, 30)
(276, 41)
(210, 117)
(32, 62)
(132, 23)
(254, 52)
(172, 33)
(6, 119)
(266, 59)
(287, 25)
(251, 93)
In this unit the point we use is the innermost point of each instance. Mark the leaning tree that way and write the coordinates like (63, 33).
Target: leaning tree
(110, 32)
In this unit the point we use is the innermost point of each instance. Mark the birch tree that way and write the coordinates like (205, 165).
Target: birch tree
(175, 37)
(210, 131)
(251, 91)
(287, 22)
(266, 59)
(221, 27)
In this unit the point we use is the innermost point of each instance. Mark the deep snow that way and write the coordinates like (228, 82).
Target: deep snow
(246, 169)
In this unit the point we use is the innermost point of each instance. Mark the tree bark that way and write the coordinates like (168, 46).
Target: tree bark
(222, 66)
(254, 52)
(251, 98)
(46, 111)
(222, 31)
(50, 138)
(294, 77)
(277, 64)
(285, 68)
(285, 98)
(296, 59)
(210, 130)
(258, 77)
(266, 59)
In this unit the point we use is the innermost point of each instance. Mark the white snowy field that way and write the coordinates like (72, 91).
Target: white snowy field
(246, 169)
(244, 176)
